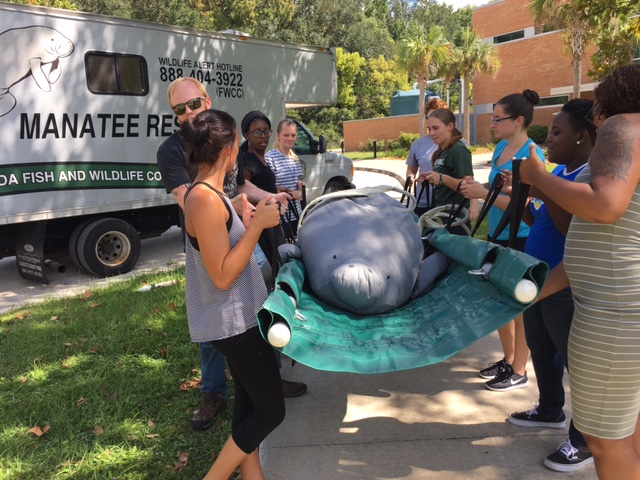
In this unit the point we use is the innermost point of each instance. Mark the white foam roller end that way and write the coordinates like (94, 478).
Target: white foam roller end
(526, 291)
(279, 334)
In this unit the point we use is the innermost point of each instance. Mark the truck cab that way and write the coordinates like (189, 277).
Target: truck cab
(323, 171)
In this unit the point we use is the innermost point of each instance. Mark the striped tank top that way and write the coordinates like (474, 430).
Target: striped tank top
(215, 314)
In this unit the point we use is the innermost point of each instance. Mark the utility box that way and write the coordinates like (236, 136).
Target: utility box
(407, 102)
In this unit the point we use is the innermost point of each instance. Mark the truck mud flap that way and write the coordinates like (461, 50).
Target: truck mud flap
(29, 252)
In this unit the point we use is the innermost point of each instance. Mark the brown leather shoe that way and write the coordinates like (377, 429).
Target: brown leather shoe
(211, 407)
(293, 389)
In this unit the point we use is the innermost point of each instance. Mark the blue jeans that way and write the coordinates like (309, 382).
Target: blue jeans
(547, 325)
(214, 377)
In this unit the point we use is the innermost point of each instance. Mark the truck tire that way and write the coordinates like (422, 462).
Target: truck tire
(335, 186)
(73, 244)
(108, 246)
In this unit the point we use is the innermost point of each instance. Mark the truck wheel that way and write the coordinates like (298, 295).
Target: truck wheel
(335, 186)
(108, 246)
(73, 244)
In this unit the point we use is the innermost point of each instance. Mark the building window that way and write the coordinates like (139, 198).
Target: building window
(116, 73)
(507, 37)
(548, 101)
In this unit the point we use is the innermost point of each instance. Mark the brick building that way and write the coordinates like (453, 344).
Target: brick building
(530, 59)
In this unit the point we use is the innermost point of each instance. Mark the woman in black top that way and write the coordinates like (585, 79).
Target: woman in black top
(256, 128)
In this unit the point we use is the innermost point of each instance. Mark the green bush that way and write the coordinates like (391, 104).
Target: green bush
(379, 145)
(406, 139)
(399, 152)
(393, 145)
(538, 133)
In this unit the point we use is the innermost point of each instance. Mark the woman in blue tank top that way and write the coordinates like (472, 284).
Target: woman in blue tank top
(512, 115)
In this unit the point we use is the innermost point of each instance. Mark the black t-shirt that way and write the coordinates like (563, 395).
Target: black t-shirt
(262, 176)
(176, 170)
(173, 164)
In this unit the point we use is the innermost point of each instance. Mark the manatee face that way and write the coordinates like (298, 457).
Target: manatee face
(361, 254)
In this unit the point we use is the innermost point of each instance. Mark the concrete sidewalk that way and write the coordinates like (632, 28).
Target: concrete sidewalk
(436, 422)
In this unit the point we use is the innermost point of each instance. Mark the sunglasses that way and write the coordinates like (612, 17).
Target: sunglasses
(193, 104)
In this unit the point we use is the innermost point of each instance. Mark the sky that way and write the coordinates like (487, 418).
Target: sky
(463, 3)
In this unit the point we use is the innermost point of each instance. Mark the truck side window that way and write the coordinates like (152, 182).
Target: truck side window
(116, 73)
(303, 144)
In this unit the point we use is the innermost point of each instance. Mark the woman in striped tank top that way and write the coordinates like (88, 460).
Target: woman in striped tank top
(602, 264)
(225, 289)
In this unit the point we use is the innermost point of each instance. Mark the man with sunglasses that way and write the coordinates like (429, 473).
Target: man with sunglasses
(187, 98)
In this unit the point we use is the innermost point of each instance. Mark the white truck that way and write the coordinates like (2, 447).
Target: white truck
(83, 109)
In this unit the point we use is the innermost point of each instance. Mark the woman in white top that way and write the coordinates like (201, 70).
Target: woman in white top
(287, 169)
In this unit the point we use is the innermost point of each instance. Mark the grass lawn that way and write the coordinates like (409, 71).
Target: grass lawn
(101, 386)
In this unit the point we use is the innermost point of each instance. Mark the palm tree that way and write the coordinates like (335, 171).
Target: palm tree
(566, 14)
(470, 58)
(422, 53)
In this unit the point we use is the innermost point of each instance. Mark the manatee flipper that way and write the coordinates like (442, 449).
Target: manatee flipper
(7, 101)
(288, 251)
(431, 268)
(35, 64)
(54, 71)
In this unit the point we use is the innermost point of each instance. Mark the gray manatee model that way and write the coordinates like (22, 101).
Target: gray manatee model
(30, 52)
(362, 252)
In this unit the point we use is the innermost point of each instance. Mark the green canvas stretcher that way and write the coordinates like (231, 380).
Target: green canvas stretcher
(460, 309)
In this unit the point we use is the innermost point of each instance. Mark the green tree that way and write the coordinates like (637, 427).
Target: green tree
(564, 14)
(471, 57)
(376, 84)
(421, 54)
(431, 13)
(616, 27)
(348, 67)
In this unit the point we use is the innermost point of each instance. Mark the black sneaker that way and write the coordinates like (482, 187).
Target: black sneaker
(494, 369)
(568, 458)
(293, 389)
(533, 418)
(507, 380)
(211, 407)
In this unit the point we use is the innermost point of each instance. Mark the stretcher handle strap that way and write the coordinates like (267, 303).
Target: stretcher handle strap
(492, 195)
(515, 210)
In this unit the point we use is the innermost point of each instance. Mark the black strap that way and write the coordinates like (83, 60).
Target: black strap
(515, 210)
(453, 214)
(221, 195)
(407, 186)
(303, 202)
(492, 195)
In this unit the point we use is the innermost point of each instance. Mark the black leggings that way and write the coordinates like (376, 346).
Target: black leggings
(259, 404)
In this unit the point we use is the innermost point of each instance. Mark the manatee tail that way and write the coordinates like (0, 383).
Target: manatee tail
(7, 101)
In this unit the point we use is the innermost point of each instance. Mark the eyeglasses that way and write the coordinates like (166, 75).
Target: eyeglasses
(591, 115)
(498, 120)
(262, 133)
(193, 104)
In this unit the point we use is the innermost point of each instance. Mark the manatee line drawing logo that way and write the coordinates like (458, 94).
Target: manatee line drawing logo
(33, 51)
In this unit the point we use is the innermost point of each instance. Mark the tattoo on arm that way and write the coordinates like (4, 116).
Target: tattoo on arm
(612, 154)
